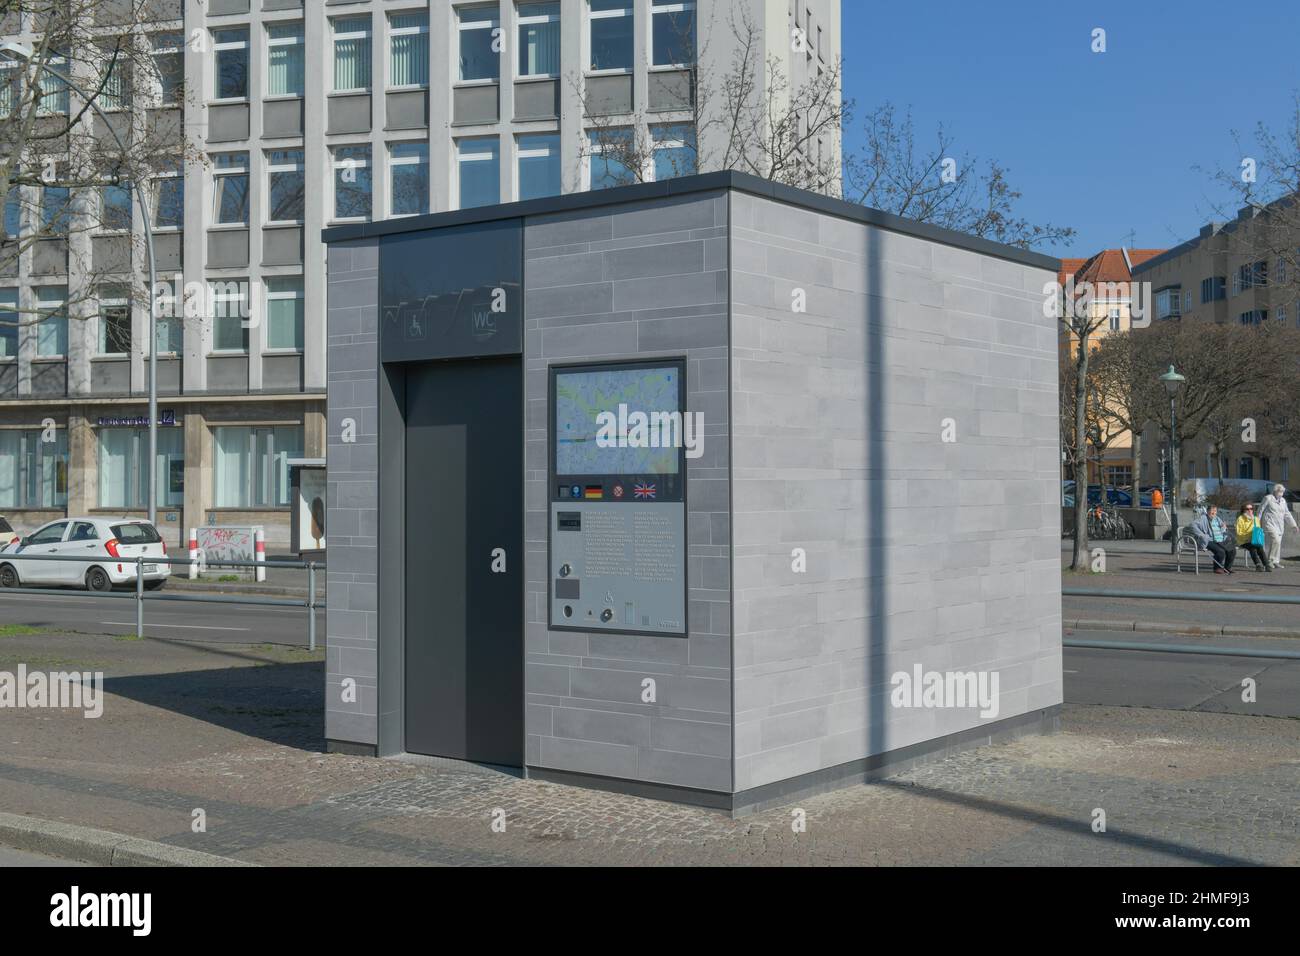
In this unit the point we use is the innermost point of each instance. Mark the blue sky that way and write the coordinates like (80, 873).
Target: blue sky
(1106, 143)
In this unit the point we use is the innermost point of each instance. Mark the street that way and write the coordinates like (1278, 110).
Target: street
(1187, 682)
(184, 620)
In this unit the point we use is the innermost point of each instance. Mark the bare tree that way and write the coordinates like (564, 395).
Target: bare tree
(748, 115)
(63, 175)
(930, 184)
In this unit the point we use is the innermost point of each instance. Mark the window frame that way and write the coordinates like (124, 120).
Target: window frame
(336, 164)
(277, 168)
(159, 96)
(244, 322)
(523, 152)
(271, 42)
(61, 304)
(676, 6)
(116, 301)
(231, 171)
(392, 31)
(299, 295)
(395, 161)
(368, 35)
(217, 48)
(628, 10)
(530, 20)
(493, 22)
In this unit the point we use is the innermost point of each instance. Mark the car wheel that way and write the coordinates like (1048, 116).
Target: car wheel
(9, 577)
(97, 580)
(154, 585)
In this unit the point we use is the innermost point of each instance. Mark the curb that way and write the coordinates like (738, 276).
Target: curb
(1196, 630)
(99, 847)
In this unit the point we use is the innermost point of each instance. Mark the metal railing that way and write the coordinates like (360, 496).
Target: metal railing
(310, 603)
(1184, 648)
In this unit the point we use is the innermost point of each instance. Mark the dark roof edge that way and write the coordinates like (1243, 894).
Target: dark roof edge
(1166, 256)
(705, 182)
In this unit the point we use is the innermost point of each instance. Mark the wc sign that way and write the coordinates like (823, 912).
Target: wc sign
(484, 322)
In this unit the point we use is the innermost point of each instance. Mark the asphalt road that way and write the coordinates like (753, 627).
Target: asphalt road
(186, 620)
(1182, 681)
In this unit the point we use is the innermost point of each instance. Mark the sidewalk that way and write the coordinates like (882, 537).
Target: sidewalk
(1148, 566)
(236, 732)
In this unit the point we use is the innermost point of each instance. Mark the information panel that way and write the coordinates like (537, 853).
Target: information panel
(617, 530)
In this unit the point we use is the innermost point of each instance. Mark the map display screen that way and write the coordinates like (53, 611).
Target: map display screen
(580, 399)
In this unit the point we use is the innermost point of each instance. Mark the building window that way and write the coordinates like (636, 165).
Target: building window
(479, 29)
(115, 208)
(54, 92)
(168, 330)
(229, 299)
(123, 473)
(1284, 469)
(13, 213)
(610, 34)
(351, 54)
(539, 165)
(33, 472)
(408, 40)
(231, 64)
(1114, 320)
(1281, 313)
(1213, 289)
(114, 324)
(56, 210)
(252, 465)
(168, 51)
(607, 151)
(284, 312)
(539, 39)
(285, 183)
(672, 32)
(1279, 271)
(674, 151)
(115, 91)
(230, 189)
(52, 322)
(169, 201)
(352, 182)
(1169, 303)
(408, 165)
(1253, 317)
(8, 323)
(478, 163)
(285, 59)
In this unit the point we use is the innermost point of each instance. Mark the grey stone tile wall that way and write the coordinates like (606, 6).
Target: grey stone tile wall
(352, 469)
(918, 550)
(632, 282)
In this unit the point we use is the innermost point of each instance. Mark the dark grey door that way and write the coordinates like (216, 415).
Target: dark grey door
(464, 500)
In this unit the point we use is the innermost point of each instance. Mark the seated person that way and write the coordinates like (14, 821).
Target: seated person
(1212, 535)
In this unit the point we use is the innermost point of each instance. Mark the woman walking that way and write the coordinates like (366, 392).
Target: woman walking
(1274, 516)
(1250, 537)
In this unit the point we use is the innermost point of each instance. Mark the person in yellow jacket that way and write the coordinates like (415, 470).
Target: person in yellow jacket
(1246, 525)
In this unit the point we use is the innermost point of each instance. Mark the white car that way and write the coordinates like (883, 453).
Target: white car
(104, 542)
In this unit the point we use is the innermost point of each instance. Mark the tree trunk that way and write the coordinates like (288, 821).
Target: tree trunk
(1080, 560)
(1137, 469)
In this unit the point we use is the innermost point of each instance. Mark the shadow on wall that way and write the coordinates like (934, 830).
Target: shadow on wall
(876, 534)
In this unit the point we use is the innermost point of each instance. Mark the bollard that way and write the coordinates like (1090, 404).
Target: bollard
(194, 553)
(139, 597)
(259, 546)
(311, 605)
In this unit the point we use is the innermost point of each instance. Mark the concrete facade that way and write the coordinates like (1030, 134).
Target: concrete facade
(878, 489)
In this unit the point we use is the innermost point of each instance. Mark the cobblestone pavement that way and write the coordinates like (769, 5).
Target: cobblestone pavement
(236, 733)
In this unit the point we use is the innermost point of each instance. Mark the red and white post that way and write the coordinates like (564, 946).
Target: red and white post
(259, 546)
(194, 553)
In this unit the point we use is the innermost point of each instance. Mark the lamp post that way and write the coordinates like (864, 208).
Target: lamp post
(1173, 383)
(23, 52)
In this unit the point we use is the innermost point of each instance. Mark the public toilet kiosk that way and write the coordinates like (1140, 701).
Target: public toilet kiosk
(711, 490)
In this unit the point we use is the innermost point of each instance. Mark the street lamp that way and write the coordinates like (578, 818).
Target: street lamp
(23, 52)
(1173, 383)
